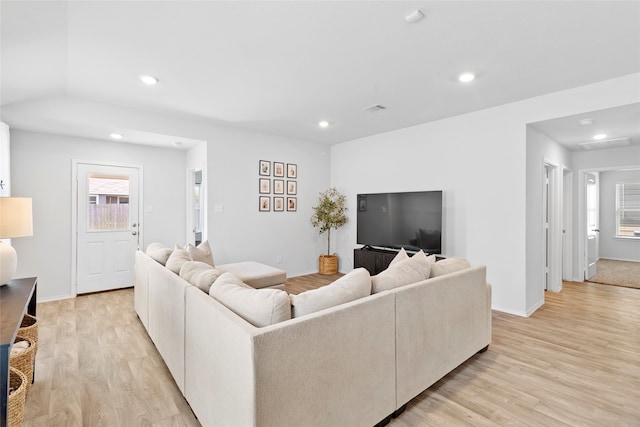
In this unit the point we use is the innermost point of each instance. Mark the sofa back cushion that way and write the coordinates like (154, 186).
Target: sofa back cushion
(260, 307)
(412, 270)
(448, 265)
(177, 258)
(352, 286)
(159, 252)
(400, 256)
(201, 253)
(199, 274)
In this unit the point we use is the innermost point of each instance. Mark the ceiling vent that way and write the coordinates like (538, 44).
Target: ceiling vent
(605, 143)
(375, 108)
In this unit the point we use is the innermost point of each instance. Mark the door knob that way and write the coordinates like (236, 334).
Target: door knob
(134, 233)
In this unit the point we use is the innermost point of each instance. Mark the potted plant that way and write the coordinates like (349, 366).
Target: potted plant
(328, 214)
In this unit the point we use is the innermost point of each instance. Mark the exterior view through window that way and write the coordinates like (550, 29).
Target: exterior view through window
(628, 210)
(108, 203)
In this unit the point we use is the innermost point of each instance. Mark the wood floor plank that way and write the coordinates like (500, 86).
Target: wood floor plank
(574, 362)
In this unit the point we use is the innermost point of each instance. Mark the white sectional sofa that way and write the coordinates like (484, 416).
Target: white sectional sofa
(356, 363)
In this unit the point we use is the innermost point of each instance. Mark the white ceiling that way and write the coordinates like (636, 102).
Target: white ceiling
(279, 67)
(618, 124)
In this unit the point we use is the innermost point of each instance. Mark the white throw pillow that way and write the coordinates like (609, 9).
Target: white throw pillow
(448, 265)
(202, 252)
(199, 274)
(401, 256)
(177, 258)
(352, 286)
(159, 252)
(412, 270)
(260, 307)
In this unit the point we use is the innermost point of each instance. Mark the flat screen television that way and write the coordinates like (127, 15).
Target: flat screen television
(410, 220)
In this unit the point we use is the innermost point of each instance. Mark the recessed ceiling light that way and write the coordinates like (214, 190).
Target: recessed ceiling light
(323, 124)
(600, 136)
(177, 143)
(116, 136)
(148, 80)
(586, 122)
(466, 77)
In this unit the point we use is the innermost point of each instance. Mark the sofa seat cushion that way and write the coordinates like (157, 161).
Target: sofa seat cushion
(350, 287)
(199, 274)
(260, 307)
(201, 253)
(412, 270)
(255, 274)
(448, 265)
(159, 252)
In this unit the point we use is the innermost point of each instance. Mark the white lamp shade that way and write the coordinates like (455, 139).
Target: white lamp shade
(15, 217)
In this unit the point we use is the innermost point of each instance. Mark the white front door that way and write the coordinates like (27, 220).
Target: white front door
(593, 229)
(108, 228)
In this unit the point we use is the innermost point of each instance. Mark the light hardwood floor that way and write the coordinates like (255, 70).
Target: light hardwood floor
(575, 361)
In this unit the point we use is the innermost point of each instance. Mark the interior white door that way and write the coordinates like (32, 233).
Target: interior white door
(593, 229)
(107, 226)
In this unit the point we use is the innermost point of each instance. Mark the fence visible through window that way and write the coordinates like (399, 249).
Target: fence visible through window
(108, 207)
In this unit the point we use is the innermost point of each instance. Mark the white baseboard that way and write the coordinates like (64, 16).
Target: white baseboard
(509, 311)
(535, 307)
(621, 259)
(57, 298)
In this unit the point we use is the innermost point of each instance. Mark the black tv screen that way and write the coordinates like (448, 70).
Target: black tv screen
(410, 220)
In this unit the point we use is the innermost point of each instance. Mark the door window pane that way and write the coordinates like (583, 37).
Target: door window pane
(108, 204)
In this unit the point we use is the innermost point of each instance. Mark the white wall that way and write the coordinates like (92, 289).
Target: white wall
(5, 164)
(479, 160)
(240, 232)
(540, 150)
(41, 169)
(612, 247)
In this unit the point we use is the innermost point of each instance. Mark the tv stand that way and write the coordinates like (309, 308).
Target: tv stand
(375, 260)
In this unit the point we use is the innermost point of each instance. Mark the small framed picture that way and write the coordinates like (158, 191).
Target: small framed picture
(292, 204)
(278, 186)
(292, 170)
(265, 185)
(278, 204)
(265, 168)
(278, 169)
(292, 188)
(265, 205)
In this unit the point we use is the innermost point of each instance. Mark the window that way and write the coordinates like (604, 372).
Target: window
(108, 208)
(628, 209)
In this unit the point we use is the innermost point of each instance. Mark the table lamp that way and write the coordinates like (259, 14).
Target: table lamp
(15, 221)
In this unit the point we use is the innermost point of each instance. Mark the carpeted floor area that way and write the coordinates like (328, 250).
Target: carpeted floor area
(619, 273)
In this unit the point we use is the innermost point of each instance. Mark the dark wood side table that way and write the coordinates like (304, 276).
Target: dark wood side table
(16, 298)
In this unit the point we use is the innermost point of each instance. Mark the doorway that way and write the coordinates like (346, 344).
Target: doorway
(592, 220)
(553, 216)
(107, 226)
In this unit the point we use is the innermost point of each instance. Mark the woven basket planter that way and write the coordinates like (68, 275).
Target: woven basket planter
(328, 264)
(29, 329)
(15, 408)
(23, 361)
